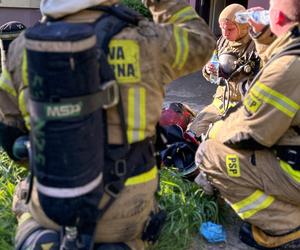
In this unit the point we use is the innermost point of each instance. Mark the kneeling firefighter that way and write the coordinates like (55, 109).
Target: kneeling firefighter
(238, 62)
(93, 168)
(256, 167)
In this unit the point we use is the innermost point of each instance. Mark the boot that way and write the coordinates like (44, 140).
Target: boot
(40, 239)
(254, 237)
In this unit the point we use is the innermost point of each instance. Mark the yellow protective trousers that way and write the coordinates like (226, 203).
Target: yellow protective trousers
(259, 187)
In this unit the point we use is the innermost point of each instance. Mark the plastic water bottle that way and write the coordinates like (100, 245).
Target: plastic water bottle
(214, 75)
(259, 16)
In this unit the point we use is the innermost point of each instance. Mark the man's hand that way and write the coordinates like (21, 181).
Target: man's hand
(201, 179)
(256, 27)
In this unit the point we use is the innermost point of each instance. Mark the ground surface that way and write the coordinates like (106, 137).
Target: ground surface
(196, 92)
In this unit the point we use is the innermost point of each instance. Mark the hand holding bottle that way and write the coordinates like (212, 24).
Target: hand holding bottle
(256, 26)
(254, 16)
(212, 68)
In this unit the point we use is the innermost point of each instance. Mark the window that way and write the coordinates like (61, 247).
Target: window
(20, 3)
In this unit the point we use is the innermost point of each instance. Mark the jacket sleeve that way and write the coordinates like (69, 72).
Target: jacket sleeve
(11, 121)
(185, 41)
(268, 111)
(12, 87)
(262, 41)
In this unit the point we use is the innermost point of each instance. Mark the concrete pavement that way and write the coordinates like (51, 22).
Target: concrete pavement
(193, 90)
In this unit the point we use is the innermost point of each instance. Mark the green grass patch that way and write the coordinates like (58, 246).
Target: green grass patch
(187, 207)
(138, 6)
(10, 175)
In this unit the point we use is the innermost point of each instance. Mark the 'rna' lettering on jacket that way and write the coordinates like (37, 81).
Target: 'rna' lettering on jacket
(124, 57)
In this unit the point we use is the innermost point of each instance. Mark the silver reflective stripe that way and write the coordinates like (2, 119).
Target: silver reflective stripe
(59, 46)
(68, 192)
(254, 204)
(276, 100)
(135, 131)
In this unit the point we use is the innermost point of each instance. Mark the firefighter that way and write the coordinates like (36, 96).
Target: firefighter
(8, 32)
(145, 58)
(234, 48)
(252, 156)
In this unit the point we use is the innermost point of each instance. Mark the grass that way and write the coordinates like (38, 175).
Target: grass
(137, 6)
(10, 174)
(186, 205)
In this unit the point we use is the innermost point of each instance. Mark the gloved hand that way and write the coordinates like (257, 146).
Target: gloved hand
(8, 135)
(201, 178)
(21, 147)
(202, 181)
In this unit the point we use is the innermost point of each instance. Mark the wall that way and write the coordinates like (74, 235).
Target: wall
(192, 2)
(26, 16)
(20, 3)
(262, 3)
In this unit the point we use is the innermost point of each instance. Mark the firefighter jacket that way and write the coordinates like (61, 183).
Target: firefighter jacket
(242, 50)
(144, 58)
(269, 115)
(262, 42)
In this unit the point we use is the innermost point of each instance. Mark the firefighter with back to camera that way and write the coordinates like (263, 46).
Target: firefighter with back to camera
(143, 57)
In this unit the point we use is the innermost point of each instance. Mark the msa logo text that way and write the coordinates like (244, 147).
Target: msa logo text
(65, 110)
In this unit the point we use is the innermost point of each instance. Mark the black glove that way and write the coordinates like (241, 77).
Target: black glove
(8, 136)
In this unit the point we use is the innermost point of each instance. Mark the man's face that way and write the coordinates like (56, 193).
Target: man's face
(229, 30)
(273, 17)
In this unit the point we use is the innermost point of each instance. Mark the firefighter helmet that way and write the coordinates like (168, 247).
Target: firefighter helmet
(176, 114)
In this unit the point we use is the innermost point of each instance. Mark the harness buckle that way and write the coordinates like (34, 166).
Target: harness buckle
(113, 189)
(112, 93)
(292, 156)
(120, 168)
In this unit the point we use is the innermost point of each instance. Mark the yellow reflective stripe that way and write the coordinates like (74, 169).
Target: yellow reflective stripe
(24, 217)
(6, 83)
(182, 47)
(136, 120)
(276, 99)
(47, 246)
(214, 129)
(220, 105)
(23, 108)
(252, 204)
(142, 178)
(25, 69)
(184, 15)
(287, 168)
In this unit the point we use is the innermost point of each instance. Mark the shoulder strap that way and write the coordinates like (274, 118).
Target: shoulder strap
(115, 19)
(105, 28)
